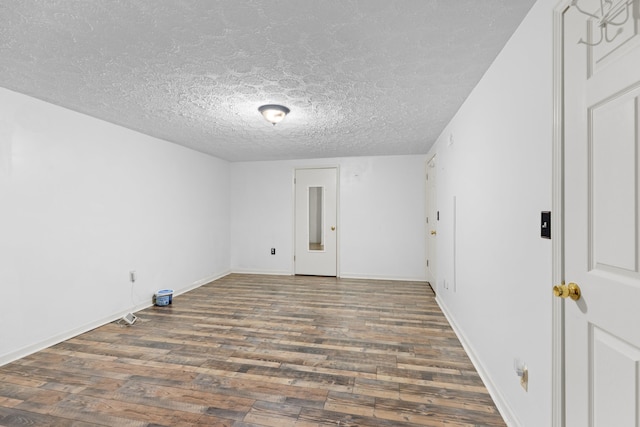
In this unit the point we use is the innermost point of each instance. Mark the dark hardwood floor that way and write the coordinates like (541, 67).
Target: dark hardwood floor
(250, 350)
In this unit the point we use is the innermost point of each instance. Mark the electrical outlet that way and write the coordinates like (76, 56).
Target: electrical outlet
(273, 251)
(522, 372)
(524, 379)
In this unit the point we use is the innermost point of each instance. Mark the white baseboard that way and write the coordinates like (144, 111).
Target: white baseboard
(265, 272)
(201, 282)
(41, 345)
(340, 275)
(501, 403)
(374, 277)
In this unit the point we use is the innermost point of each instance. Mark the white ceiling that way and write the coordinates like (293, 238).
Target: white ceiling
(361, 77)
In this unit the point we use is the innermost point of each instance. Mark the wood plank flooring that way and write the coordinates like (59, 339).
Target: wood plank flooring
(252, 350)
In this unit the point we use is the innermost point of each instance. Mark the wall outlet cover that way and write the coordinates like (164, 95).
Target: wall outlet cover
(524, 379)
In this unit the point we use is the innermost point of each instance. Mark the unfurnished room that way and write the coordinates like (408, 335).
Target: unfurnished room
(271, 213)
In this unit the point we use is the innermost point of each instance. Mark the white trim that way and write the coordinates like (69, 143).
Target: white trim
(428, 226)
(503, 407)
(338, 228)
(264, 272)
(343, 276)
(374, 277)
(201, 282)
(557, 222)
(293, 222)
(33, 348)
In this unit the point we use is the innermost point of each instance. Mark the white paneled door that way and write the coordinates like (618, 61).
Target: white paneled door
(316, 221)
(601, 222)
(432, 224)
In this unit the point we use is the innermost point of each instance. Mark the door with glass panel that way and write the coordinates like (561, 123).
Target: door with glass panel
(316, 221)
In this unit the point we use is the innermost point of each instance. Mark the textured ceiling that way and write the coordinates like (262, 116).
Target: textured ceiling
(367, 77)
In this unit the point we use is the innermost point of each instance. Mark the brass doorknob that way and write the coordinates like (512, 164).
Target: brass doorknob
(571, 290)
(433, 232)
(333, 228)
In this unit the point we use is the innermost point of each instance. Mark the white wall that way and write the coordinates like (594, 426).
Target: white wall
(381, 216)
(83, 202)
(498, 169)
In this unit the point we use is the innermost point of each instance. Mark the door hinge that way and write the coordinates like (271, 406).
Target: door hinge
(427, 220)
(427, 263)
(294, 258)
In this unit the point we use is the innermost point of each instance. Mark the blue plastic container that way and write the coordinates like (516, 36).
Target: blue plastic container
(164, 297)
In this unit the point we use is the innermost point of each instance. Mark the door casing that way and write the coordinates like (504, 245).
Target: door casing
(431, 222)
(557, 215)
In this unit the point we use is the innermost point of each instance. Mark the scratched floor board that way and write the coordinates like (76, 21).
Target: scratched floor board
(259, 351)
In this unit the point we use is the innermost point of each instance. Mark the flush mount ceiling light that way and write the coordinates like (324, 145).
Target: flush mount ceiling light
(274, 113)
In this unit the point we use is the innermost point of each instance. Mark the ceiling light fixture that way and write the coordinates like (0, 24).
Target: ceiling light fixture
(274, 113)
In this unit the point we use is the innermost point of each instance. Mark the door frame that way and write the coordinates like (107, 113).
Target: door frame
(428, 226)
(557, 221)
(293, 214)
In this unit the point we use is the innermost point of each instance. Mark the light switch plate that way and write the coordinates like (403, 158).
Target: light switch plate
(545, 225)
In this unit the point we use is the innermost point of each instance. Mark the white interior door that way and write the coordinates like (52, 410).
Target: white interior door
(316, 222)
(432, 224)
(601, 222)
